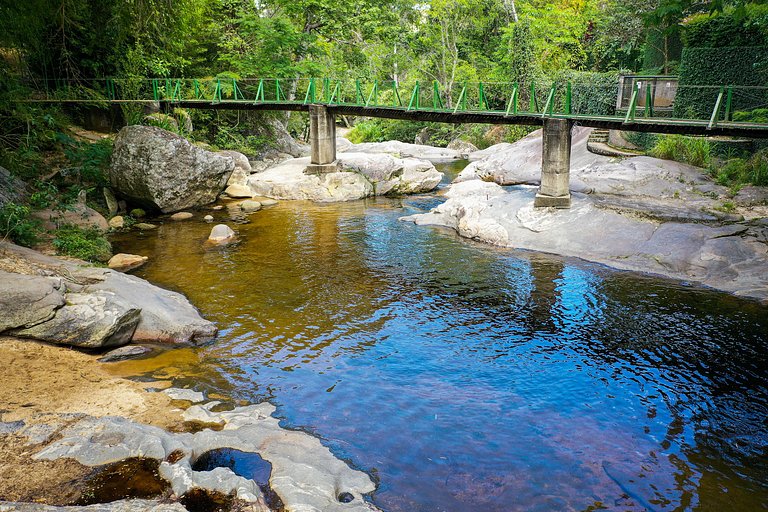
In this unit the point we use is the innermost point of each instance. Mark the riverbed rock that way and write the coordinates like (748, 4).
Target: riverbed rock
(305, 474)
(124, 262)
(463, 147)
(117, 222)
(752, 196)
(156, 167)
(123, 353)
(250, 206)
(114, 506)
(400, 149)
(92, 319)
(239, 191)
(145, 226)
(651, 187)
(181, 216)
(77, 214)
(190, 395)
(112, 205)
(208, 218)
(82, 305)
(27, 300)
(361, 175)
(284, 142)
(221, 234)
(714, 255)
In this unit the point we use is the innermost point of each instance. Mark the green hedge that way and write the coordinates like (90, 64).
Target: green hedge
(738, 66)
(591, 93)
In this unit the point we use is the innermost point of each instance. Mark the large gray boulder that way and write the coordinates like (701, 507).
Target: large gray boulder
(68, 302)
(360, 175)
(154, 167)
(43, 308)
(28, 300)
(92, 319)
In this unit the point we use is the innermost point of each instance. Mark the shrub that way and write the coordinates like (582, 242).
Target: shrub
(15, 224)
(86, 244)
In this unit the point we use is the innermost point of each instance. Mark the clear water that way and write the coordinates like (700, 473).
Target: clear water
(464, 377)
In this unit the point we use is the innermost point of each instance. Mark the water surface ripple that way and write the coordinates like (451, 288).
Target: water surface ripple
(465, 377)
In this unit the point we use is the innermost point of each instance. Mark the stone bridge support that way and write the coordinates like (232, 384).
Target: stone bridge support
(555, 165)
(322, 140)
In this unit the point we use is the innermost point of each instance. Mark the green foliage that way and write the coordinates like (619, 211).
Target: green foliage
(89, 160)
(85, 244)
(758, 115)
(739, 171)
(379, 130)
(736, 66)
(730, 27)
(17, 225)
(137, 213)
(44, 194)
(691, 150)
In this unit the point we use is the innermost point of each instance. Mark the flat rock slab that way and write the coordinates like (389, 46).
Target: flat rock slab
(723, 257)
(400, 149)
(115, 506)
(305, 474)
(361, 175)
(190, 395)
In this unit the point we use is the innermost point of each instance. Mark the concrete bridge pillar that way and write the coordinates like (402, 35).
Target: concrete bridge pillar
(555, 165)
(322, 139)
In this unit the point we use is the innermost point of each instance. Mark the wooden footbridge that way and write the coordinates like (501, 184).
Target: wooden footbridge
(556, 107)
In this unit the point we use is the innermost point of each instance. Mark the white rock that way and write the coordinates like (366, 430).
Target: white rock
(221, 233)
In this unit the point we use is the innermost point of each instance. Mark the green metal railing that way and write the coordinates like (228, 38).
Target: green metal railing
(714, 104)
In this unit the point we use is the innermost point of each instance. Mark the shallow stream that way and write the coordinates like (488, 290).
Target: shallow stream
(467, 378)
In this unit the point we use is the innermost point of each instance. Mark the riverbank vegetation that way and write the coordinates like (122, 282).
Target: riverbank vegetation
(51, 45)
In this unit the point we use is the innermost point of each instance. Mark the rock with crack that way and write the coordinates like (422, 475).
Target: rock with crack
(165, 171)
(74, 303)
(361, 175)
(305, 474)
(722, 257)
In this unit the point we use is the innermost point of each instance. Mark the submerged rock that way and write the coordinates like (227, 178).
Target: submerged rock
(250, 206)
(144, 226)
(222, 234)
(154, 166)
(361, 175)
(181, 216)
(123, 353)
